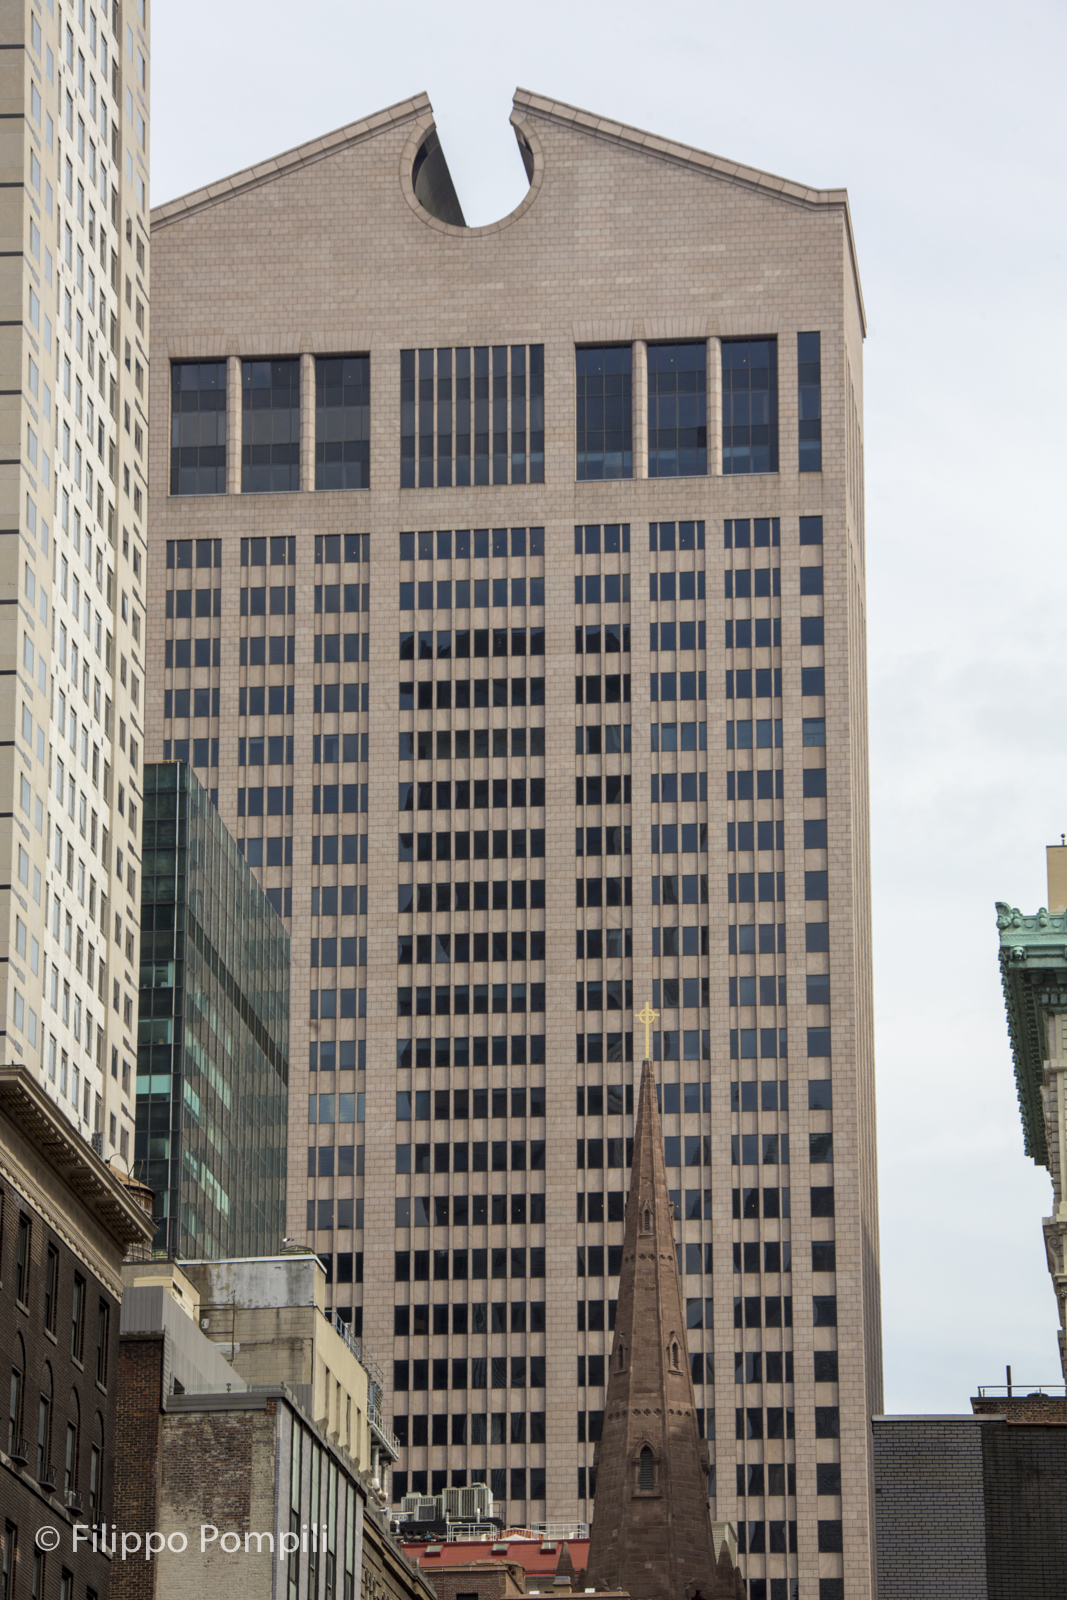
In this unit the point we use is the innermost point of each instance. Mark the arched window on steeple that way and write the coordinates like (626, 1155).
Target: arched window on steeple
(648, 1220)
(646, 1470)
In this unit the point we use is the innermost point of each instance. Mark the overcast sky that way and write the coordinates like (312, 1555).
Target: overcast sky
(946, 124)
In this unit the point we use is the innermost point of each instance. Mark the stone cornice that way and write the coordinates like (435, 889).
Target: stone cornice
(1033, 967)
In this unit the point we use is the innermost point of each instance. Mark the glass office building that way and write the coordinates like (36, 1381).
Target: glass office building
(213, 1036)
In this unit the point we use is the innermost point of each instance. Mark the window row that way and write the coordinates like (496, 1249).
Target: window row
(278, 851)
(476, 544)
(423, 1483)
(764, 784)
(320, 1216)
(424, 948)
(190, 702)
(480, 895)
(478, 743)
(331, 697)
(483, 1372)
(773, 1042)
(207, 602)
(476, 693)
(609, 589)
(477, 794)
(478, 1050)
(515, 1262)
(462, 999)
(505, 641)
(330, 548)
(596, 943)
(671, 636)
(763, 632)
(328, 1108)
(202, 752)
(495, 1428)
(459, 1104)
(684, 889)
(741, 887)
(326, 1055)
(768, 1149)
(498, 592)
(615, 637)
(604, 994)
(760, 583)
(611, 689)
(326, 852)
(668, 736)
(670, 993)
(192, 652)
(593, 1048)
(324, 1004)
(475, 415)
(275, 649)
(272, 800)
(612, 841)
(768, 731)
(270, 433)
(768, 683)
(479, 1211)
(275, 700)
(331, 647)
(347, 952)
(282, 601)
(595, 739)
(327, 748)
(472, 416)
(472, 845)
(331, 598)
(594, 892)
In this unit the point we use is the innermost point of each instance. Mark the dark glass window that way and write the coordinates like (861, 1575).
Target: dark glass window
(749, 405)
(472, 416)
(198, 427)
(677, 410)
(604, 376)
(809, 396)
(270, 440)
(342, 422)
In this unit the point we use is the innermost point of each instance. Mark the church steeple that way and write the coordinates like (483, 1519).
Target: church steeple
(651, 1532)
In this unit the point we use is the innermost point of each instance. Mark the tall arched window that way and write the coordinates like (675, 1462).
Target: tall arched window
(646, 1469)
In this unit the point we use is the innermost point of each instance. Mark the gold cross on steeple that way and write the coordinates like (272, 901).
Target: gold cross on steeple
(648, 1017)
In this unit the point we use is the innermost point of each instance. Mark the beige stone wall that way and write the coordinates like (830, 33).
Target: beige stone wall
(624, 241)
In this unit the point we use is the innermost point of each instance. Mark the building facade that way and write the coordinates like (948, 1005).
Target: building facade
(213, 1031)
(75, 342)
(973, 1507)
(1033, 967)
(66, 1222)
(284, 1508)
(269, 1318)
(537, 549)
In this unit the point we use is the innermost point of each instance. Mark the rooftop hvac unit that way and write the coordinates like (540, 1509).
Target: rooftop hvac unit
(420, 1508)
(467, 1505)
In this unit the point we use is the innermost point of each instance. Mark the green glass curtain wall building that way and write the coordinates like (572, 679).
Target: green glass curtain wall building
(213, 1033)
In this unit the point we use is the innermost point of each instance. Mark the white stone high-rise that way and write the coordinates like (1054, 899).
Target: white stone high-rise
(74, 339)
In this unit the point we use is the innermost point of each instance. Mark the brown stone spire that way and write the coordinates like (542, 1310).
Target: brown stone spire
(651, 1532)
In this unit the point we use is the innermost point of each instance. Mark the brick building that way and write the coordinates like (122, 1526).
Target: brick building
(973, 1507)
(66, 1223)
(541, 556)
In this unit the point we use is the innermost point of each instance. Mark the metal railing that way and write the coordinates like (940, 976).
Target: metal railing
(385, 1434)
(1021, 1391)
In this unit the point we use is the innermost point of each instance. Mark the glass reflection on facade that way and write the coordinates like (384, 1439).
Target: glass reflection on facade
(213, 1035)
